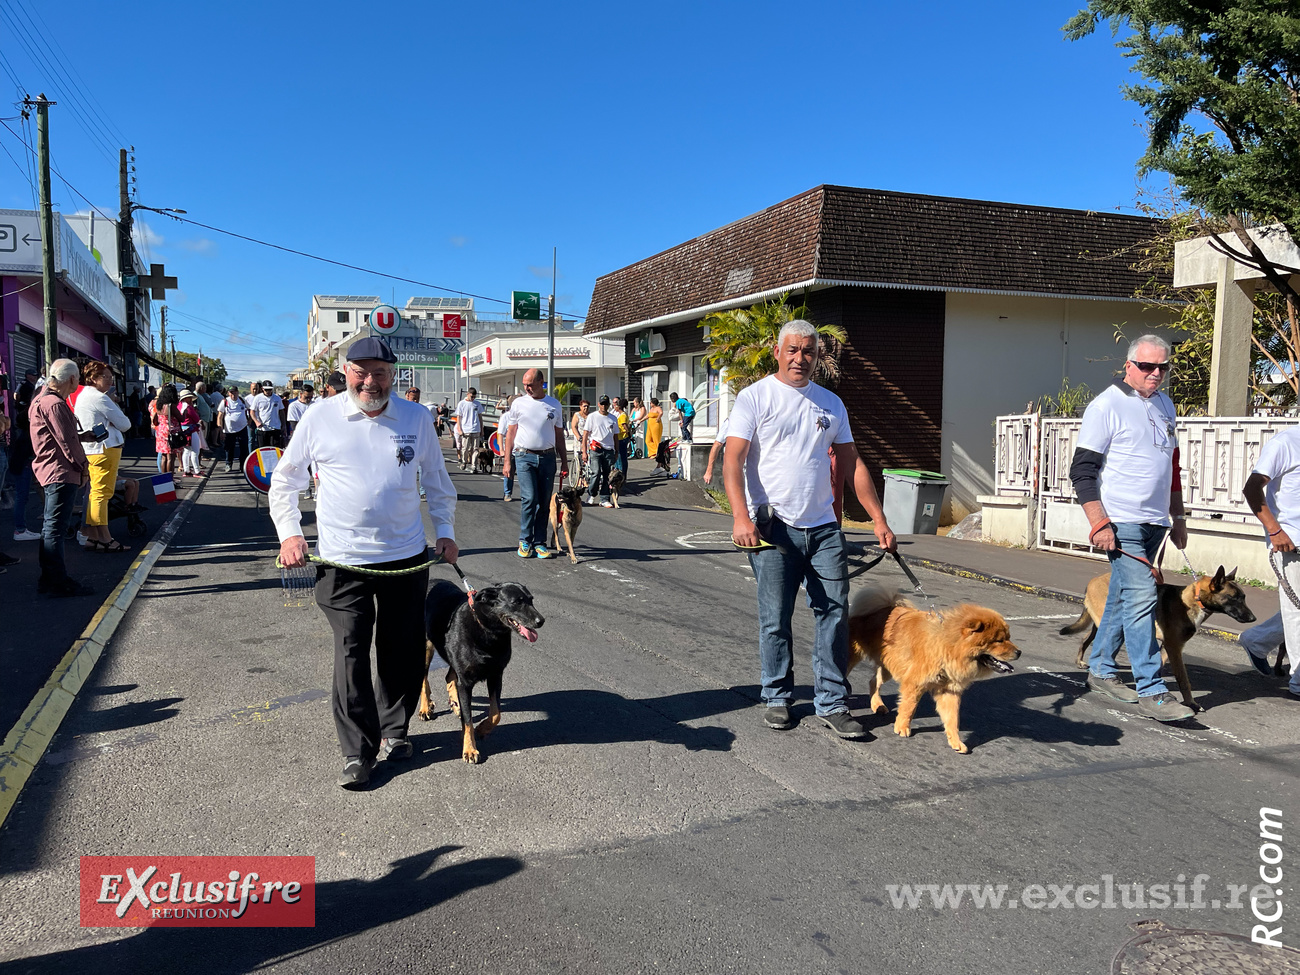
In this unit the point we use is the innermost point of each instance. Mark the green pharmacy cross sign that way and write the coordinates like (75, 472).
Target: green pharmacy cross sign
(526, 306)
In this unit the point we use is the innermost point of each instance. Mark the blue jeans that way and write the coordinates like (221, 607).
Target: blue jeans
(601, 462)
(536, 476)
(1130, 613)
(59, 499)
(815, 557)
(623, 447)
(22, 485)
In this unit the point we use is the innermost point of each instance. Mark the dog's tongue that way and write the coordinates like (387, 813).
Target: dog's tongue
(526, 633)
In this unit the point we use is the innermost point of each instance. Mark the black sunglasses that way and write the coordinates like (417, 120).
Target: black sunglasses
(1151, 366)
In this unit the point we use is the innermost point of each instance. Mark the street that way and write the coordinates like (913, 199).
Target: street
(631, 813)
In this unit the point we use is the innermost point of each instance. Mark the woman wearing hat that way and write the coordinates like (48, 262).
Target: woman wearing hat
(191, 423)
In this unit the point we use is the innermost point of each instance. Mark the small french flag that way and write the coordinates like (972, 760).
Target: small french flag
(164, 488)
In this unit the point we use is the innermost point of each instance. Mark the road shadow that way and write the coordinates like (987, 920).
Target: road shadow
(994, 708)
(344, 908)
(582, 717)
(131, 715)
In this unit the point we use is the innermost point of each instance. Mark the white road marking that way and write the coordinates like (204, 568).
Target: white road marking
(709, 538)
(1053, 616)
(185, 548)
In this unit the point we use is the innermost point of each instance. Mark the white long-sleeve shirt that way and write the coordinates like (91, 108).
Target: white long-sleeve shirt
(368, 503)
(95, 407)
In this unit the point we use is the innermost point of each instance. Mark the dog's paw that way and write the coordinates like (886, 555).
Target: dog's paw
(428, 714)
(879, 707)
(470, 755)
(959, 746)
(486, 725)
(902, 730)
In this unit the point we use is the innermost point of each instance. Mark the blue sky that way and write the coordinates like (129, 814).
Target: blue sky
(457, 143)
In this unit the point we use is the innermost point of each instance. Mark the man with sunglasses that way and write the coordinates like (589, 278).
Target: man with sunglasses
(1125, 473)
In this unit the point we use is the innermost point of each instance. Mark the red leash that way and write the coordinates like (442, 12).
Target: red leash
(1154, 569)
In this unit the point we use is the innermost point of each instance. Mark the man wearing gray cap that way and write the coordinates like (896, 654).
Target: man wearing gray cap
(366, 448)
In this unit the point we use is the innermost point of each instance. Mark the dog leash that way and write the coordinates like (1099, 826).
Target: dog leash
(1282, 582)
(291, 578)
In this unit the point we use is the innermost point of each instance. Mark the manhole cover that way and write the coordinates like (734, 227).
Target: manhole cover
(1161, 950)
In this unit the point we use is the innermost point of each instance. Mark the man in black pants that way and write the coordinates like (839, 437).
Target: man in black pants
(367, 447)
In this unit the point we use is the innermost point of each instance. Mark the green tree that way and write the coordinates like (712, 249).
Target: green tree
(1234, 67)
(741, 342)
(214, 370)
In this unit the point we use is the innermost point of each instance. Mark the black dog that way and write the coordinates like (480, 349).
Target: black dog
(474, 639)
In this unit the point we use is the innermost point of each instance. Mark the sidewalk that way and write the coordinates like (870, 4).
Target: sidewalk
(38, 630)
(1047, 573)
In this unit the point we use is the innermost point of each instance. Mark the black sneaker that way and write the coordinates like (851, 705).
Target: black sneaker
(356, 773)
(1164, 707)
(845, 725)
(779, 718)
(1112, 687)
(7, 559)
(395, 749)
(1260, 663)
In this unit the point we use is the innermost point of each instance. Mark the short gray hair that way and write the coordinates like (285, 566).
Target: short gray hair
(62, 370)
(1148, 340)
(798, 327)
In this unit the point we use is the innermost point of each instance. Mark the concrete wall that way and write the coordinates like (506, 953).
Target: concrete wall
(1001, 353)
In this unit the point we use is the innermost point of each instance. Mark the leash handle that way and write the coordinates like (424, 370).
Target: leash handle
(1153, 569)
(911, 577)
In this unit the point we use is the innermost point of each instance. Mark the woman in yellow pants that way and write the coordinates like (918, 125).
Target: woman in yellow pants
(96, 409)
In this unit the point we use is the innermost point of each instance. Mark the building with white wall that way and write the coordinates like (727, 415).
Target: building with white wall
(497, 363)
(336, 318)
(956, 311)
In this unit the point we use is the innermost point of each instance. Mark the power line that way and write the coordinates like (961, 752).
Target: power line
(98, 136)
(25, 174)
(23, 288)
(87, 93)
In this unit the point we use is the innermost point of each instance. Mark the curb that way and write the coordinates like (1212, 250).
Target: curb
(1046, 592)
(31, 735)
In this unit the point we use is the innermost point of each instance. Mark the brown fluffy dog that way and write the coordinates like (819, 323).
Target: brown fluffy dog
(926, 653)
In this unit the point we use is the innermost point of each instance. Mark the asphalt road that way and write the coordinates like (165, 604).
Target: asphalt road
(631, 813)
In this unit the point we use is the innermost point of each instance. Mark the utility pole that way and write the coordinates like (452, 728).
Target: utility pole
(125, 251)
(173, 358)
(162, 338)
(47, 225)
(550, 334)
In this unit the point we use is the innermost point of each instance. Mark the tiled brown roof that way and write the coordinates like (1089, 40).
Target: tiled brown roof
(764, 250)
(843, 233)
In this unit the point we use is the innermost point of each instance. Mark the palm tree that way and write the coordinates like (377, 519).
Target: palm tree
(741, 342)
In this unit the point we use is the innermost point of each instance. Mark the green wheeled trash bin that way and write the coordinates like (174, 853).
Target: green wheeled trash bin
(913, 501)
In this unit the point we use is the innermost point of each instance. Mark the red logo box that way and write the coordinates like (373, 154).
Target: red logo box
(198, 892)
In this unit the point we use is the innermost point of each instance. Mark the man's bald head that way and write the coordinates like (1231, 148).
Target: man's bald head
(532, 382)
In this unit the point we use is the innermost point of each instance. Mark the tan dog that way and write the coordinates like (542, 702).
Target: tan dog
(926, 653)
(566, 512)
(1179, 611)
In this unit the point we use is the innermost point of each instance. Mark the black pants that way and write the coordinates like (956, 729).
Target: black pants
(392, 609)
(236, 447)
(268, 438)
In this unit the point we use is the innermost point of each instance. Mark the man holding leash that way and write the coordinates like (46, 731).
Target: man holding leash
(366, 447)
(1125, 473)
(776, 470)
(534, 439)
(1273, 493)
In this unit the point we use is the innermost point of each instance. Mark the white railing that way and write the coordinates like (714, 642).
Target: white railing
(1016, 449)
(1032, 457)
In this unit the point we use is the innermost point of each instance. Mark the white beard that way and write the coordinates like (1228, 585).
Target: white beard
(369, 407)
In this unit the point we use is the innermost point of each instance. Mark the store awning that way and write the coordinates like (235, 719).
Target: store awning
(651, 369)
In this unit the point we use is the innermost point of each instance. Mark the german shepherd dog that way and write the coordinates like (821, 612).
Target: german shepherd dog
(662, 455)
(927, 653)
(566, 512)
(474, 639)
(616, 481)
(1179, 611)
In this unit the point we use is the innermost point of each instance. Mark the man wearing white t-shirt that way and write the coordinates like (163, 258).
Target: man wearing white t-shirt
(777, 473)
(719, 442)
(534, 442)
(469, 427)
(266, 406)
(1273, 493)
(600, 434)
(1125, 473)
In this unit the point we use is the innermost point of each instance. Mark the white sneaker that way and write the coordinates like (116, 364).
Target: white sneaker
(81, 539)
(26, 536)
